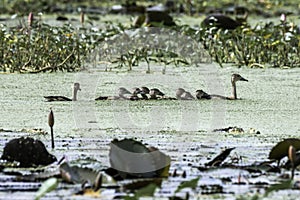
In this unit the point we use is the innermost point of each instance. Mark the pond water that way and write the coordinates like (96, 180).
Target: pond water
(182, 129)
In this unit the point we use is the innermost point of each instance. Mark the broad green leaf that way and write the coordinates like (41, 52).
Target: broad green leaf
(280, 150)
(281, 186)
(47, 186)
(132, 159)
(146, 191)
(188, 184)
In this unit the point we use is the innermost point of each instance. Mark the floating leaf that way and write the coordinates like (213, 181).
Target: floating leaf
(220, 158)
(280, 150)
(188, 184)
(281, 186)
(146, 191)
(28, 152)
(47, 186)
(137, 184)
(132, 159)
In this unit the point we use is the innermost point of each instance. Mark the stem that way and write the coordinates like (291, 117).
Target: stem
(52, 138)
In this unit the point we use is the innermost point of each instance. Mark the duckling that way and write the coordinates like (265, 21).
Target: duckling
(63, 98)
(156, 94)
(234, 79)
(135, 93)
(144, 92)
(200, 94)
(153, 93)
(181, 94)
(121, 95)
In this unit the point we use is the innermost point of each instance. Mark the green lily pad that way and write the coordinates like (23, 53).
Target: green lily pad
(47, 186)
(280, 150)
(188, 184)
(132, 159)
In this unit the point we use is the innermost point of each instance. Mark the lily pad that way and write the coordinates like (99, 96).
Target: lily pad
(280, 150)
(28, 152)
(132, 159)
(188, 184)
(220, 158)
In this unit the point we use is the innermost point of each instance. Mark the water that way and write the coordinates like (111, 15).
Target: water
(182, 129)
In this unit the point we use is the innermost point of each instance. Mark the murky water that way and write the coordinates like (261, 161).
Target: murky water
(182, 129)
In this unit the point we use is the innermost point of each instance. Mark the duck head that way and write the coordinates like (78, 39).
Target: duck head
(145, 90)
(137, 91)
(179, 92)
(237, 77)
(77, 86)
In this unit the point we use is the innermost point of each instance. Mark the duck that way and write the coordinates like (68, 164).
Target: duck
(122, 95)
(134, 96)
(200, 94)
(144, 92)
(182, 94)
(63, 98)
(154, 94)
(222, 21)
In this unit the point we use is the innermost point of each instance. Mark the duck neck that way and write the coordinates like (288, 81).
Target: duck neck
(234, 95)
(75, 94)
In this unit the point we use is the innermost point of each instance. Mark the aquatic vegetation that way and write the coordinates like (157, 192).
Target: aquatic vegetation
(47, 186)
(131, 179)
(51, 124)
(256, 46)
(281, 149)
(39, 47)
(28, 152)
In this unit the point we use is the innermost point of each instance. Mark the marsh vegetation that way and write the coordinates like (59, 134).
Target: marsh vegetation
(243, 149)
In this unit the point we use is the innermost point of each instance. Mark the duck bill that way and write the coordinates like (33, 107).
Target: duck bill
(243, 79)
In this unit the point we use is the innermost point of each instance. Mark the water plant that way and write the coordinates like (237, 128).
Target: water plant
(38, 47)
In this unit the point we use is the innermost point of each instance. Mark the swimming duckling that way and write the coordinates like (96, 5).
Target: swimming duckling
(63, 98)
(156, 94)
(144, 92)
(122, 92)
(153, 93)
(200, 94)
(135, 93)
(181, 94)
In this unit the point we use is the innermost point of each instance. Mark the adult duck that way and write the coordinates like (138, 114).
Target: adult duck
(63, 98)
(222, 21)
(200, 94)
